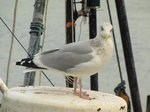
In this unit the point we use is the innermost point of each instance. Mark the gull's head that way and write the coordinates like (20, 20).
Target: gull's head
(106, 29)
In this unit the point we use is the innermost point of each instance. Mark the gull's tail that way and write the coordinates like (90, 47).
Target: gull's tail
(29, 63)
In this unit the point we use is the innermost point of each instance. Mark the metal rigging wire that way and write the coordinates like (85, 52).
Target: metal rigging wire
(23, 46)
(117, 54)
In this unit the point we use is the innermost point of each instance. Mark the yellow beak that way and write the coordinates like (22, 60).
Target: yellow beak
(107, 36)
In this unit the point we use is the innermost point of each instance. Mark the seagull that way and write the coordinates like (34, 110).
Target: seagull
(78, 59)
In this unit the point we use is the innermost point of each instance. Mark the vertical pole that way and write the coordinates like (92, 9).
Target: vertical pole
(12, 41)
(129, 60)
(35, 34)
(70, 30)
(93, 33)
(148, 104)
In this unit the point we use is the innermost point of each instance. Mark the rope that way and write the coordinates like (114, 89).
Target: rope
(12, 42)
(44, 35)
(37, 27)
(23, 47)
(115, 43)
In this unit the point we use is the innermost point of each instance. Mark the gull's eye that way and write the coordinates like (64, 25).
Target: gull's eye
(102, 28)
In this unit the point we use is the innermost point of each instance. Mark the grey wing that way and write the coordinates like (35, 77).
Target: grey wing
(82, 47)
(67, 57)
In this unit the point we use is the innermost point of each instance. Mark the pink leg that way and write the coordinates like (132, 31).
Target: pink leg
(79, 93)
(75, 84)
(83, 95)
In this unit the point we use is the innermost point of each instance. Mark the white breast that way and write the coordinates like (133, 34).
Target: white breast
(99, 61)
(101, 56)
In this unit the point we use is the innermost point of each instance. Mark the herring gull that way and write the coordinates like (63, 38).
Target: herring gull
(77, 59)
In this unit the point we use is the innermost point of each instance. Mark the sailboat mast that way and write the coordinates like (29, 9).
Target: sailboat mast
(129, 59)
(35, 34)
(93, 5)
(70, 30)
(92, 34)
